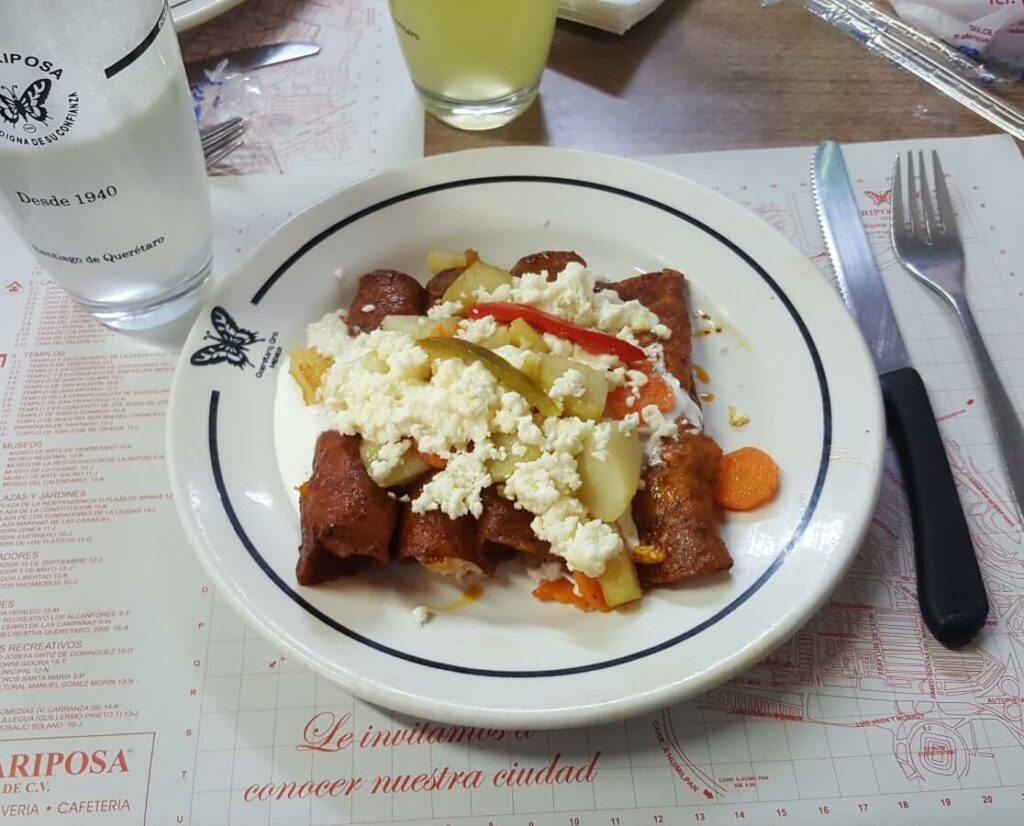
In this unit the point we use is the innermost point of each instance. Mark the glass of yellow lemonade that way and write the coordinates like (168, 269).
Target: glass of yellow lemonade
(475, 63)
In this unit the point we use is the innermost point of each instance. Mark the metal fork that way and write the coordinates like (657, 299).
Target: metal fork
(221, 139)
(928, 245)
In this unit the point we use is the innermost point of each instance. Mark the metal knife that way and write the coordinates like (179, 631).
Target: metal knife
(949, 585)
(245, 60)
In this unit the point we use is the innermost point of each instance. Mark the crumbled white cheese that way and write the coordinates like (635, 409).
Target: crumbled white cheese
(539, 485)
(602, 436)
(421, 614)
(511, 413)
(637, 378)
(329, 335)
(382, 387)
(456, 489)
(528, 432)
(607, 365)
(657, 424)
(503, 292)
(477, 330)
(657, 428)
(566, 435)
(368, 308)
(585, 544)
(629, 422)
(388, 457)
(513, 355)
(627, 528)
(661, 331)
(546, 488)
(550, 571)
(446, 309)
(386, 388)
(339, 273)
(570, 384)
(558, 345)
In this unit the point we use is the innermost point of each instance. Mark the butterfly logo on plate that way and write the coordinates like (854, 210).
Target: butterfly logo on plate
(231, 342)
(27, 106)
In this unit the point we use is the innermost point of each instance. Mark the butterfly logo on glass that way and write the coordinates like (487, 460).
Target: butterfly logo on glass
(27, 106)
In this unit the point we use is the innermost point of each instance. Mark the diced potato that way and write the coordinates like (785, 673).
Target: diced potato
(588, 406)
(307, 367)
(619, 582)
(501, 469)
(438, 260)
(477, 276)
(609, 482)
(498, 339)
(522, 335)
(411, 466)
(420, 327)
(531, 366)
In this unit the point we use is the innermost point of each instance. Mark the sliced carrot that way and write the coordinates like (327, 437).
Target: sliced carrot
(747, 479)
(560, 590)
(656, 392)
(590, 591)
(434, 461)
(615, 406)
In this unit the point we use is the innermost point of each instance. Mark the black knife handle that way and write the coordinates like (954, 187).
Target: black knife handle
(949, 585)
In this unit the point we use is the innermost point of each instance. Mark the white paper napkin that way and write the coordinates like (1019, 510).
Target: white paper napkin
(611, 15)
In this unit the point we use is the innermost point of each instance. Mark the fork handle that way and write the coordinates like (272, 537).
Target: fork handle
(1005, 423)
(949, 585)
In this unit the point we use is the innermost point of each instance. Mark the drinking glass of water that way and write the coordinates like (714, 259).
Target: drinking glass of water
(475, 63)
(101, 169)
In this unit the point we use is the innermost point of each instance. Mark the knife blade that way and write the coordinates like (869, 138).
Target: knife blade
(950, 589)
(246, 60)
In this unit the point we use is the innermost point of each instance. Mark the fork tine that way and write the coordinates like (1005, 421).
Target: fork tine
(222, 135)
(215, 129)
(946, 215)
(897, 218)
(215, 144)
(227, 123)
(927, 205)
(912, 195)
(222, 152)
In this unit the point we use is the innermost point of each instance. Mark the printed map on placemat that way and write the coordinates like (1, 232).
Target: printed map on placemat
(350, 104)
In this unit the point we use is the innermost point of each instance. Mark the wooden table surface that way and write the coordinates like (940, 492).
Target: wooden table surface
(720, 74)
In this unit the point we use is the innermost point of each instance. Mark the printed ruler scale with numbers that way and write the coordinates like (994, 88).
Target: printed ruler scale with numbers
(115, 645)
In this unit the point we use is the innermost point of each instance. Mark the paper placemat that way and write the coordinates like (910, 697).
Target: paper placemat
(351, 105)
(132, 694)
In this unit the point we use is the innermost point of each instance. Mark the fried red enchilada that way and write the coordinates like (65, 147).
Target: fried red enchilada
(533, 413)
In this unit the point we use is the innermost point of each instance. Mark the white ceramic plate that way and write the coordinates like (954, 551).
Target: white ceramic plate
(788, 355)
(187, 14)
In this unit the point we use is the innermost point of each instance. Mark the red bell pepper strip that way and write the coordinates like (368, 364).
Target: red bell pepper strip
(593, 341)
